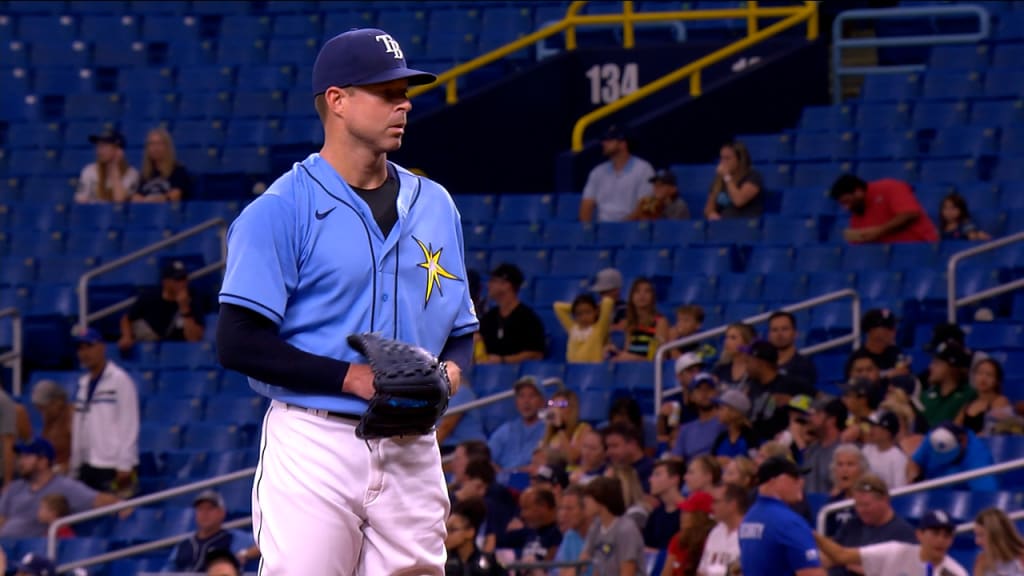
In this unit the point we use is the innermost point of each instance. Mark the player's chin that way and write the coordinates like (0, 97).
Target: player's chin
(391, 142)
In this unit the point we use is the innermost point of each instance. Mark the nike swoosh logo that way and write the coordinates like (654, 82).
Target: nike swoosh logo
(321, 215)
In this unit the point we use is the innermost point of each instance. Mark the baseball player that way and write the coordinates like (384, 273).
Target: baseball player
(348, 246)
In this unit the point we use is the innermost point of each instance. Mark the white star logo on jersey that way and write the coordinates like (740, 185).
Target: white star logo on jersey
(431, 263)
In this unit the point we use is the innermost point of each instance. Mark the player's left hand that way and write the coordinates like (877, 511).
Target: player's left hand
(454, 377)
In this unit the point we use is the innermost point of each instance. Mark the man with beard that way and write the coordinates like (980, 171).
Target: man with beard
(826, 421)
(614, 187)
(884, 211)
(782, 335)
(770, 391)
(695, 437)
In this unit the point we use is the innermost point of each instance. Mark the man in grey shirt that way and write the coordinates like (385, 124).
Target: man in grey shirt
(875, 521)
(614, 540)
(614, 187)
(827, 420)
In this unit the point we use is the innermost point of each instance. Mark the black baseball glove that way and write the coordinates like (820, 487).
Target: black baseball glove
(410, 385)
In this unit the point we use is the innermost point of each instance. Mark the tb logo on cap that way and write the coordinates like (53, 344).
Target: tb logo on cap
(391, 46)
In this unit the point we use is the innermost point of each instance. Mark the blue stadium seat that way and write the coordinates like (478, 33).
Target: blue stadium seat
(951, 85)
(492, 378)
(879, 284)
(33, 162)
(809, 201)
(819, 283)
(775, 178)
(767, 147)
(213, 437)
(820, 175)
(171, 410)
(239, 411)
(586, 377)
(594, 405)
(619, 234)
(949, 171)
(475, 235)
(100, 27)
(822, 146)
(258, 104)
(150, 107)
(734, 231)
(34, 135)
(580, 262)
(1007, 55)
(882, 116)
(559, 234)
(76, 54)
(965, 141)
(936, 115)
(532, 262)
(158, 438)
(779, 230)
(476, 207)
(826, 118)
(119, 52)
(525, 207)
(676, 233)
(834, 316)
(635, 376)
(306, 24)
(890, 87)
(285, 51)
(221, 463)
(133, 566)
(234, 383)
(187, 383)
(206, 105)
(1005, 448)
(644, 262)
(959, 57)
(704, 261)
(997, 112)
(739, 287)
(770, 260)
(695, 178)
(985, 336)
(568, 206)
(64, 269)
(924, 284)
(1011, 142)
(887, 146)
(269, 78)
(47, 29)
(691, 289)
(1003, 83)
(865, 257)
(252, 132)
(57, 299)
(1010, 169)
(817, 258)
(187, 355)
(501, 25)
(542, 370)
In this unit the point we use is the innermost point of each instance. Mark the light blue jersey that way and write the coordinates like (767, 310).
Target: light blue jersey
(308, 255)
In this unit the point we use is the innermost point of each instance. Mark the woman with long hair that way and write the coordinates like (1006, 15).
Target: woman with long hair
(1001, 546)
(646, 329)
(991, 405)
(731, 370)
(737, 189)
(110, 178)
(163, 179)
(564, 430)
(908, 439)
(632, 493)
(686, 547)
(741, 471)
(703, 474)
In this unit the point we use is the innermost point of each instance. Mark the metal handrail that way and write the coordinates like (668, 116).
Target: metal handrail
(952, 302)
(573, 19)
(969, 526)
(808, 13)
(577, 565)
(923, 486)
(498, 397)
(51, 535)
(12, 358)
(84, 317)
(838, 42)
(853, 338)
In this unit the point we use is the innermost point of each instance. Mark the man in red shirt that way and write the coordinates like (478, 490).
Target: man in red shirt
(882, 211)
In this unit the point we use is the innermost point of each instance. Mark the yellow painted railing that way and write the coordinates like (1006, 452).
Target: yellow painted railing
(628, 18)
(806, 13)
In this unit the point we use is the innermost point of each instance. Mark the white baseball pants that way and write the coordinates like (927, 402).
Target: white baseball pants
(327, 503)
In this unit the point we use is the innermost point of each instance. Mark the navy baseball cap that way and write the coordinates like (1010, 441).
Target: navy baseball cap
(762, 350)
(663, 176)
(37, 447)
(175, 270)
(36, 565)
(86, 336)
(108, 137)
(360, 57)
(936, 520)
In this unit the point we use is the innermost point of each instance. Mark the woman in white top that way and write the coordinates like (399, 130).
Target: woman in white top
(1002, 548)
(110, 178)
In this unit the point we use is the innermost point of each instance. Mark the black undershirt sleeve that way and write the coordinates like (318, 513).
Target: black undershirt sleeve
(248, 342)
(458, 349)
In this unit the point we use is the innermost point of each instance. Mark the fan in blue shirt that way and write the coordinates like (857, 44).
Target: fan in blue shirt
(513, 443)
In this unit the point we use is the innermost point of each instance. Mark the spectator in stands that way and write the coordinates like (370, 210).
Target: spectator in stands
(454, 429)
(51, 508)
(168, 314)
(646, 329)
(935, 534)
(464, 558)
(512, 331)
(512, 444)
(722, 550)
(479, 482)
(773, 538)
(882, 453)
(740, 471)
(1001, 548)
(587, 326)
(105, 426)
(110, 178)
(948, 391)
(551, 476)
(782, 335)
(738, 438)
(464, 452)
(955, 221)
(737, 191)
(847, 466)
(564, 428)
(222, 563)
(664, 201)
(8, 430)
(190, 555)
(51, 401)
(574, 523)
(950, 449)
(163, 178)
(534, 535)
(878, 326)
(862, 398)
(695, 438)
(614, 544)
(907, 438)
(826, 422)
(608, 284)
(638, 503)
(615, 186)
(769, 390)
(797, 436)
(33, 564)
(592, 458)
(731, 369)
(689, 320)
(991, 405)
(663, 521)
(686, 547)
(624, 446)
(703, 473)
(19, 504)
(883, 211)
(626, 410)
(874, 522)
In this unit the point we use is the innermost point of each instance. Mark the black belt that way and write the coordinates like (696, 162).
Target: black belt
(326, 413)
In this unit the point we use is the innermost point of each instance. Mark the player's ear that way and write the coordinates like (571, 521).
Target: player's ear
(334, 101)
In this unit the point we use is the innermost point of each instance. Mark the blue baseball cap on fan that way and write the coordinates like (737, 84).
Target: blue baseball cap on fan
(360, 57)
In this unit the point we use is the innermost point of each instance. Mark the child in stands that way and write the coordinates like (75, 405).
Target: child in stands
(955, 220)
(587, 327)
(52, 507)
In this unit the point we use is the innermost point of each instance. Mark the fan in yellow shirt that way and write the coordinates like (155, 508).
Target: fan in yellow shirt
(587, 327)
